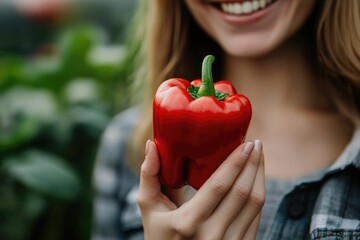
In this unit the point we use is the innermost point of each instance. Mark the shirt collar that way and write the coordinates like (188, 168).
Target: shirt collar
(350, 155)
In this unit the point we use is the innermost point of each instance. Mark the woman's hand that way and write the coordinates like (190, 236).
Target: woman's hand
(227, 206)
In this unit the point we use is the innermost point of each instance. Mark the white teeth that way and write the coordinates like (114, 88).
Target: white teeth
(262, 3)
(245, 7)
(255, 5)
(238, 9)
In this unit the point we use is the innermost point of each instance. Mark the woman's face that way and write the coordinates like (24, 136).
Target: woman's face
(250, 28)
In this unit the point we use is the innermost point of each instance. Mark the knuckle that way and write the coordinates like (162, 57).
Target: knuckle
(185, 228)
(262, 163)
(143, 170)
(240, 162)
(142, 201)
(218, 187)
(258, 200)
(242, 193)
(255, 160)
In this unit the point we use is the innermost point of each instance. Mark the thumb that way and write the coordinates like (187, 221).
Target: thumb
(150, 186)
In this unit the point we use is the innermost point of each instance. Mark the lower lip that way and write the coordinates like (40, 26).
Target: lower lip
(247, 19)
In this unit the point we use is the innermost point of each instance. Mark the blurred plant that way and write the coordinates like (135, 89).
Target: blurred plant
(53, 109)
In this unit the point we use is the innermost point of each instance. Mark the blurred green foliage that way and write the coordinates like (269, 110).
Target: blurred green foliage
(53, 109)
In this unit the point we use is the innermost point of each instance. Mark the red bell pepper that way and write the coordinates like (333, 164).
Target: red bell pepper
(196, 126)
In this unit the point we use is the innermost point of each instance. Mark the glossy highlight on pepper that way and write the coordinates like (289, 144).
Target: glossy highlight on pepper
(196, 126)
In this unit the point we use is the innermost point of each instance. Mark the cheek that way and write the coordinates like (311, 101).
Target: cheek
(301, 14)
(199, 12)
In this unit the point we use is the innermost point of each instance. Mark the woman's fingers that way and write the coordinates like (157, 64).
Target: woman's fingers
(233, 194)
(215, 188)
(150, 194)
(238, 195)
(252, 207)
(150, 186)
(251, 232)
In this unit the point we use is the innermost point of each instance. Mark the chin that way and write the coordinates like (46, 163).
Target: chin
(252, 48)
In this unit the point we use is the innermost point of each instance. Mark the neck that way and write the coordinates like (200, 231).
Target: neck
(283, 79)
(291, 114)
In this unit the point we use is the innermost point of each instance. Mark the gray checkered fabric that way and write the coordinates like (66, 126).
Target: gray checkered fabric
(322, 206)
(116, 214)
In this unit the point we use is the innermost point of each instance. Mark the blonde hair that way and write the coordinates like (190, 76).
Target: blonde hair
(338, 44)
(172, 45)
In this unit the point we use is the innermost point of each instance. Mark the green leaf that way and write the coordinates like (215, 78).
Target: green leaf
(29, 101)
(23, 112)
(25, 130)
(44, 173)
(193, 91)
(220, 95)
(76, 43)
(11, 71)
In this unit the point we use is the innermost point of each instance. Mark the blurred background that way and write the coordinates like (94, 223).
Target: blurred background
(62, 78)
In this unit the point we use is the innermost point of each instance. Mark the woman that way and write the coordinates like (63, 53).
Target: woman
(299, 64)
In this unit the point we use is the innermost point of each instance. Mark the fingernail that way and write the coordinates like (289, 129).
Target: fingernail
(249, 146)
(147, 146)
(258, 145)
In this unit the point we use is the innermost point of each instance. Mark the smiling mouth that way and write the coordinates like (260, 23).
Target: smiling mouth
(243, 8)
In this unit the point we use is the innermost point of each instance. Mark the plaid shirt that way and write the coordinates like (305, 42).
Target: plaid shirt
(325, 206)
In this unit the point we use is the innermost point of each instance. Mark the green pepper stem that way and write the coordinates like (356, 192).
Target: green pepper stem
(207, 86)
